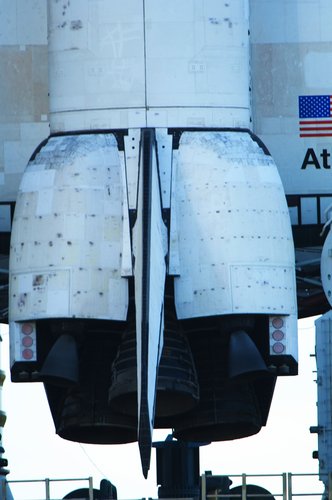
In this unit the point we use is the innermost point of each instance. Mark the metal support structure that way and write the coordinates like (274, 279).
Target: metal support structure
(284, 486)
(47, 488)
(47, 481)
(244, 487)
(286, 491)
(290, 492)
(203, 486)
(4, 491)
(90, 488)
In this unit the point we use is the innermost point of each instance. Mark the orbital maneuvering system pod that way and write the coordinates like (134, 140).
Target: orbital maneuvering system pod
(152, 278)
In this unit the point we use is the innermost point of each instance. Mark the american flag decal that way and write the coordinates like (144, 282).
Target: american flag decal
(315, 115)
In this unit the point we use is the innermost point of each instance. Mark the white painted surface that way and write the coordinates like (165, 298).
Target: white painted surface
(233, 234)
(67, 237)
(23, 88)
(196, 74)
(135, 64)
(291, 54)
(23, 23)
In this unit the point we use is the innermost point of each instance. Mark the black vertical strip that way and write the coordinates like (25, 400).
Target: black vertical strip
(146, 229)
(300, 212)
(145, 438)
(319, 221)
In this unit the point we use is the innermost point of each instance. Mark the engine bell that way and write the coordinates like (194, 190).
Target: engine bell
(86, 418)
(81, 412)
(228, 409)
(225, 412)
(177, 386)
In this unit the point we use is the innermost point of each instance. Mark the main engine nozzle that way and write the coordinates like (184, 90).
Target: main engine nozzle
(177, 386)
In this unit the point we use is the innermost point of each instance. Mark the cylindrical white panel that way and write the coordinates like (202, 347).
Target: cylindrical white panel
(231, 238)
(135, 64)
(67, 237)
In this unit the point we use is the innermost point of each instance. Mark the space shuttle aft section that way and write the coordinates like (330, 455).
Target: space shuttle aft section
(152, 279)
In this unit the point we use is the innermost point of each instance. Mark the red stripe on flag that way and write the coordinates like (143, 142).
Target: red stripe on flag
(313, 122)
(315, 128)
(316, 135)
